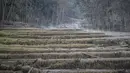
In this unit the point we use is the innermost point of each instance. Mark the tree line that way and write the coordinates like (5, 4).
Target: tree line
(38, 12)
(34, 11)
(99, 14)
(107, 14)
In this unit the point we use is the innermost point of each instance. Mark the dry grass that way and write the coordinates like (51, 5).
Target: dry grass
(20, 41)
(46, 42)
(45, 32)
(103, 63)
(46, 56)
(56, 55)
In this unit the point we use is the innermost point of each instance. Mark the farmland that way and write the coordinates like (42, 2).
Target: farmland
(62, 51)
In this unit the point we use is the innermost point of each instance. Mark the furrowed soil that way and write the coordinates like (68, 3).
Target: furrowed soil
(63, 51)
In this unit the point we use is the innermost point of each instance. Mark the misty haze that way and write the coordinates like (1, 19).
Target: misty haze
(64, 36)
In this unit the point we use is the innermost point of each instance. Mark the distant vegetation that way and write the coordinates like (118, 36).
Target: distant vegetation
(98, 14)
(38, 12)
(107, 14)
(28, 10)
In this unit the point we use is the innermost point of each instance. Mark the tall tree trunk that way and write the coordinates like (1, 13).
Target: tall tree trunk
(4, 8)
(10, 10)
(1, 7)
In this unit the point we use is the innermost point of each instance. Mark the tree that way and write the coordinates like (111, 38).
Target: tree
(107, 14)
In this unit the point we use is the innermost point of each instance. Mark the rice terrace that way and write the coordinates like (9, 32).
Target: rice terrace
(62, 51)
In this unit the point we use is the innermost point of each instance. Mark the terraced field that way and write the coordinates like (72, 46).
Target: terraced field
(62, 51)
